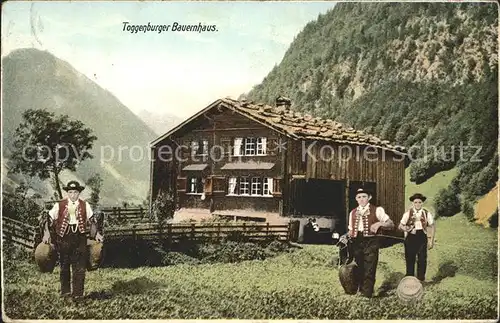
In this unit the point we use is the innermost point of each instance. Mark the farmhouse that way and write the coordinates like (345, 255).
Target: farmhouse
(269, 163)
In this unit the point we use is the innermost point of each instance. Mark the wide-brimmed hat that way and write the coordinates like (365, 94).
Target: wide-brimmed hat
(363, 190)
(73, 185)
(418, 196)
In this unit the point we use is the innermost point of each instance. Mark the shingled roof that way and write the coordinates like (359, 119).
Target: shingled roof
(297, 125)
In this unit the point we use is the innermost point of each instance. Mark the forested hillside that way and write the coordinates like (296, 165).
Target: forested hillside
(422, 75)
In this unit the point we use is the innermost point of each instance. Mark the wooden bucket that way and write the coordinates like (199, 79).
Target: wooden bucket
(45, 257)
(410, 289)
(94, 254)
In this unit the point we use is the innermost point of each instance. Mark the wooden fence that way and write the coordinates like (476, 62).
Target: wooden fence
(137, 214)
(19, 233)
(27, 236)
(172, 233)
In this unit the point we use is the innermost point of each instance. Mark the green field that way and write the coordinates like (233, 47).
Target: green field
(429, 188)
(302, 284)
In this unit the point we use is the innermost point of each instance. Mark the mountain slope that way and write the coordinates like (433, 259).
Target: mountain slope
(159, 123)
(423, 75)
(37, 79)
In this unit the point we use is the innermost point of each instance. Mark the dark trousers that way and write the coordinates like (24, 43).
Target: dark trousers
(72, 249)
(416, 250)
(365, 251)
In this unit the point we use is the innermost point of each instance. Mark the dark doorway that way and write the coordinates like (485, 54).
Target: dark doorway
(317, 197)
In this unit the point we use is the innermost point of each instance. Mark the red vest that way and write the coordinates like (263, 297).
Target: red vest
(423, 219)
(368, 220)
(63, 217)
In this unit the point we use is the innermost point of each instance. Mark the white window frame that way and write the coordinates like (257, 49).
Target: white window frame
(244, 186)
(250, 146)
(256, 186)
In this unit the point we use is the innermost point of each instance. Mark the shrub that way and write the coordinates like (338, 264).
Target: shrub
(446, 202)
(20, 206)
(163, 206)
(468, 210)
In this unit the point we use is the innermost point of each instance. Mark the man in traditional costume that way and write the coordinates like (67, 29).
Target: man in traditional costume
(418, 226)
(364, 223)
(71, 218)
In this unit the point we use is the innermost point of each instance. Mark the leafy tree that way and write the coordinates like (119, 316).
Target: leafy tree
(95, 183)
(163, 206)
(447, 202)
(46, 144)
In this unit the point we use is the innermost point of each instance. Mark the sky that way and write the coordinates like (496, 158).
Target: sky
(172, 72)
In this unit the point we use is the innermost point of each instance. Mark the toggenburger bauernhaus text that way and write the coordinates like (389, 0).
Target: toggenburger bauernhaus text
(159, 28)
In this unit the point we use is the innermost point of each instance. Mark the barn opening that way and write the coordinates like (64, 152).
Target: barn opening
(318, 198)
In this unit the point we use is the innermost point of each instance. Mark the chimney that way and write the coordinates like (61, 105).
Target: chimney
(282, 101)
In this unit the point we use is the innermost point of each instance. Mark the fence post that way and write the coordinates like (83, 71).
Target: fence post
(289, 233)
(192, 231)
(267, 230)
(218, 230)
(119, 214)
(169, 232)
(142, 214)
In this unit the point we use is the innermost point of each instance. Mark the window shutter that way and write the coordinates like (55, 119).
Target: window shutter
(270, 185)
(238, 142)
(272, 146)
(181, 184)
(277, 186)
(207, 188)
(264, 145)
(232, 185)
(226, 145)
(219, 185)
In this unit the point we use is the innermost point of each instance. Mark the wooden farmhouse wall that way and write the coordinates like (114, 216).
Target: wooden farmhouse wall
(354, 164)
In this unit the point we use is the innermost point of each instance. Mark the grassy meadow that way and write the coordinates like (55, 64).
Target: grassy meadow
(301, 284)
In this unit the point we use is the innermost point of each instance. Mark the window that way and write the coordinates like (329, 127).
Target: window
(250, 146)
(205, 147)
(195, 146)
(255, 186)
(244, 186)
(195, 185)
(199, 147)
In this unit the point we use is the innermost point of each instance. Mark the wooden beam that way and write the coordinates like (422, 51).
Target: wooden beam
(228, 129)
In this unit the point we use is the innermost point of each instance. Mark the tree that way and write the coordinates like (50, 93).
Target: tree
(46, 144)
(95, 183)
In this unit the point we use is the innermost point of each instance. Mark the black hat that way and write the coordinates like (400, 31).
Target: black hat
(363, 190)
(418, 196)
(73, 185)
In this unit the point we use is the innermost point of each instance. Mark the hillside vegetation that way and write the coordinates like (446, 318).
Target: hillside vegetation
(423, 75)
(34, 79)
